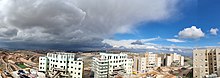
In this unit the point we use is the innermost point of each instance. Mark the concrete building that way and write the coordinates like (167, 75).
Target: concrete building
(110, 65)
(139, 65)
(174, 60)
(61, 65)
(206, 62)
(152, 60)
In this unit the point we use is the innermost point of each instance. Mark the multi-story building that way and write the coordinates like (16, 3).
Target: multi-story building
(110, 65)
(139, 65)
(61, 65)
(174, 59)
(152, 60)
(206, 63)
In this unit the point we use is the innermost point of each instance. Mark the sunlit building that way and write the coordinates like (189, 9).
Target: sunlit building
(139, 65)
(152, 60)
(206, 63)
(111, 65)
(61, 65)
(174, 60)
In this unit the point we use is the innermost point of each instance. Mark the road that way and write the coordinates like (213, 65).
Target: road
(9, 67)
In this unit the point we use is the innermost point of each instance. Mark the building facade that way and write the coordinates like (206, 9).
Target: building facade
(110, 65)
(206, 62)
(139, 65)
(152, 60)
(174, 60)
(61, 65)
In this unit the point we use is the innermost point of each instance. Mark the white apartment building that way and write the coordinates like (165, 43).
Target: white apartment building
(152, 60)
(139, 65)
(61, 65)
(110, 65)
(174, 59)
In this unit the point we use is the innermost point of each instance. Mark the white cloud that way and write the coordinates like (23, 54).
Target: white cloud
(214, 31)
(175, 40)
(192, 32)
(129, 43)
(171, 49)
(77, 21)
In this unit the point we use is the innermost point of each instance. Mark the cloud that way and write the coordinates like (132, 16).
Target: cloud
(175, 40)
(171, 49)
(138, 42)
(147, 46)
(214, 31)
(74, 22)
(132, 44)
(192, 33)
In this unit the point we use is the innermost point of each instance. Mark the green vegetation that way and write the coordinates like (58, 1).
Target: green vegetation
(190, 75)
(21, 65)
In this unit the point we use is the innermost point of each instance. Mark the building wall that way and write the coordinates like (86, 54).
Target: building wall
(63, 61)
(136, 64)
(182, 61)
(169, 60)
(115, 62)
(174, 58)
(198, 63)
(159, 61)
(139, 64)
(42, 64)
(206, 62)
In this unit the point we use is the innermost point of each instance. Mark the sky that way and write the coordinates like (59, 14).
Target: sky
(140, 25)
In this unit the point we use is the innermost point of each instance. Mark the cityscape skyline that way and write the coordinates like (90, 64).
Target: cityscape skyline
(167, 25)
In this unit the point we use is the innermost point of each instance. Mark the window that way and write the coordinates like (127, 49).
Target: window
(79, 63)
(60, 61)
(79, 68)
(78, 73)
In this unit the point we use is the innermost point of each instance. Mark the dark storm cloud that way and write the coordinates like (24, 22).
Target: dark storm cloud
(138, 42)
(75, 22)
